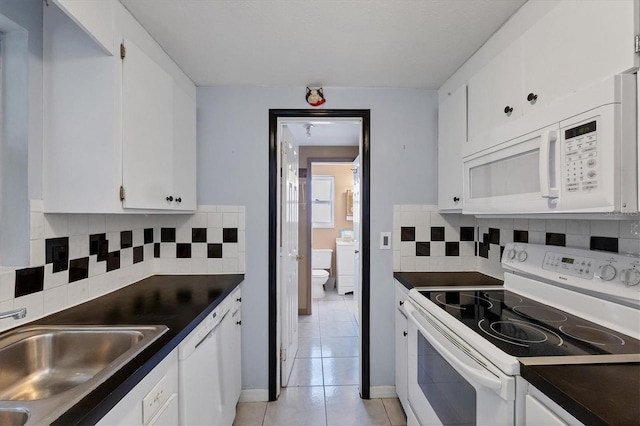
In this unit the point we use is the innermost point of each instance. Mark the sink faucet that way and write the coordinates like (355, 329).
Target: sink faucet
(16, 313)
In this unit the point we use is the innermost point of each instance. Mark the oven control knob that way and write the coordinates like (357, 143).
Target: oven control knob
(607, 272)
(522, 256)
(511, 254)
(630, 277)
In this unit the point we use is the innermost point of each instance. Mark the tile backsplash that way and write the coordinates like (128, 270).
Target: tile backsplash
(426, 240)
(77, 257)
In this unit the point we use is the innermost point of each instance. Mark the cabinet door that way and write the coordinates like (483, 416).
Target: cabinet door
(94, 17)
(452, 134)
(575, 45)
(496, 87)
(147, 132)
(184, 150)
(537, 414)
(401, 327)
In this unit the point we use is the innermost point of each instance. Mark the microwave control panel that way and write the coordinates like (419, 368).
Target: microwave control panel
(581, 168)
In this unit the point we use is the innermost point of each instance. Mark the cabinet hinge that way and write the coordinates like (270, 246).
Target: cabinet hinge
(123, 51)
(283, 354)
(121, 193)
(638, 44)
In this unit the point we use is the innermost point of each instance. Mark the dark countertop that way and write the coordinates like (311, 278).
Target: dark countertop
(445, 279)
(180, 302)
(595, 394)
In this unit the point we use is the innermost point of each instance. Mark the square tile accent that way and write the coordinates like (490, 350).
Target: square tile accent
(29, 280)
(156, 250)
(483, 250)
(423, 249)
(494, 236)
(520, 236)
(148, 235)
(113, 260)
(183, 250)
(408, 233)
(229, 235)
(168, 235)
(126, 239)
(138, 254)
(214, 251)
(78, 269)
(199, 235)
(554, 239)
(467, 233)
(604, 244)
(437, 233)
(452, 248)
(57, 253)
(98, 245)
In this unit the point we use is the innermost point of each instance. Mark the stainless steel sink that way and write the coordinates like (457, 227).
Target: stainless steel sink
(13, 417)
(44, 370)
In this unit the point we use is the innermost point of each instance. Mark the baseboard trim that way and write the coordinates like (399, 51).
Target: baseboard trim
(383, 392)
(254, 395)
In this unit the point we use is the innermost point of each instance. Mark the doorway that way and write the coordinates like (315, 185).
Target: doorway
(275, 117)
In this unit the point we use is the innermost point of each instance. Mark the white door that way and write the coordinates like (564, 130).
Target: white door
(356, 234)
(289, 253)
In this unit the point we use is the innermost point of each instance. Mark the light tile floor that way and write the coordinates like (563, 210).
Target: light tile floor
(323, 387)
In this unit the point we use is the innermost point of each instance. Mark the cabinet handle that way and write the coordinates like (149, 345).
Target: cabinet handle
(239, 299)
(404, 333)
(456, 199)
(532, 97)
(401, 302)
(508, 110)
(239, 322)
(179, 200)
(169, 198)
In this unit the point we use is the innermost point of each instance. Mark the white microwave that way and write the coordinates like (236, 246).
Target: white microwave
(582, 157)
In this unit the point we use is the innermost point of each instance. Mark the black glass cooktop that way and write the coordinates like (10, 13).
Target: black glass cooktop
(523, 327)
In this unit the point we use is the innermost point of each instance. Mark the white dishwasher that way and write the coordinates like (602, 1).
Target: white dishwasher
(201, 392)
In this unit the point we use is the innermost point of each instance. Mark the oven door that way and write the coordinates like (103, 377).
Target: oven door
(450, 383)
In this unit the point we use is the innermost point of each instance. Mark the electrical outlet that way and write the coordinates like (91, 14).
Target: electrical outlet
(154, 400)
(385, 241)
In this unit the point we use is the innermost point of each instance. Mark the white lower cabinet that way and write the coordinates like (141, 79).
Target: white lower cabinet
(540, 410)
(154, 401)
(401, 295)
(345, 262)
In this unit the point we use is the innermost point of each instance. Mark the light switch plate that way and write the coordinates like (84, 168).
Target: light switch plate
(385, 241)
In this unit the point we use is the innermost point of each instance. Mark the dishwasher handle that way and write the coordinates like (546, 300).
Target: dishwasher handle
(210, 333)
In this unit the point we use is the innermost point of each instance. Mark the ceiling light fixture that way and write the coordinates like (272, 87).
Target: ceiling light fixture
(308, 127)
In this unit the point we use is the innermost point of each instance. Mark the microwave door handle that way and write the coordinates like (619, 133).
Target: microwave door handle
(547, 137)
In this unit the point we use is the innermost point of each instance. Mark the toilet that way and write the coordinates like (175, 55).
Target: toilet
(320, 264)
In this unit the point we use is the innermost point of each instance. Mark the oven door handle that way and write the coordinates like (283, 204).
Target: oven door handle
(479, 376)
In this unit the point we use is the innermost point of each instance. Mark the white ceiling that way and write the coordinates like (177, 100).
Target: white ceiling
(340, 43)
(326, 133)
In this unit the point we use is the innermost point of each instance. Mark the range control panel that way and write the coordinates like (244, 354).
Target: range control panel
(602, 272)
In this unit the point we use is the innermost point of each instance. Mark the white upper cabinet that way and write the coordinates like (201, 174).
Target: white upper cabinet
(119, 133)
(452, 135)
(94, 17)
(576, 45)
(495, 92)
(147, 131)
(184, 149)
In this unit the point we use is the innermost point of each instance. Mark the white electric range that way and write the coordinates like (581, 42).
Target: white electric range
(557, 306)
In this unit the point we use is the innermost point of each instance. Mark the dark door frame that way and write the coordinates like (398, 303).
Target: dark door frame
(365, 226)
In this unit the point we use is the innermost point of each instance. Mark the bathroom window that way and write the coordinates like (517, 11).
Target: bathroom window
(322, 196)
